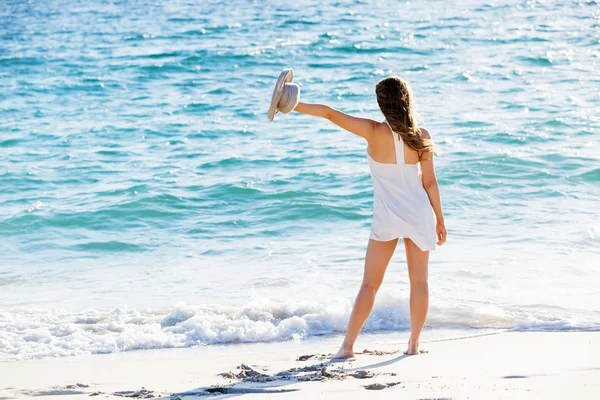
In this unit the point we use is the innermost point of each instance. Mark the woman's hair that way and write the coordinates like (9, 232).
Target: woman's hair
(395, 100)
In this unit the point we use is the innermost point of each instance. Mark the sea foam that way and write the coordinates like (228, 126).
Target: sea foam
(40, 333)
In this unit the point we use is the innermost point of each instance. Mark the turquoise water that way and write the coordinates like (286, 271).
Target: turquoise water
(146, 202)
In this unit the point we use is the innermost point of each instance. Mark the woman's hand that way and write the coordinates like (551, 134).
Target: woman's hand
(440, 232)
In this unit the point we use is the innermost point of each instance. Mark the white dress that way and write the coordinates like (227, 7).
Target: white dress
(401, 207)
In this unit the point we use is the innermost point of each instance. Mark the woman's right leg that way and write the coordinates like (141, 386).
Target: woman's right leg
(377, 259)
(417, 261)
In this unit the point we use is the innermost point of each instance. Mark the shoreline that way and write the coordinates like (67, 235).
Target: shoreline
(549, 365)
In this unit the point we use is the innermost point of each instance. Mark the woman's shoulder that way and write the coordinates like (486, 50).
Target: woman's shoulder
(424, 133)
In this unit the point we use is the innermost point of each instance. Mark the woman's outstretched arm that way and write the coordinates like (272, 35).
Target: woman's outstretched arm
(363, 127)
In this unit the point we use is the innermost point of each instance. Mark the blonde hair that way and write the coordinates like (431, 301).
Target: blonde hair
(395, 100)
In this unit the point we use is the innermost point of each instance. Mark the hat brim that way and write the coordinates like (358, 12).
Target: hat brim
(286, 76)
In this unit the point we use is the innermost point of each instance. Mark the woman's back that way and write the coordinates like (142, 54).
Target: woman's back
(381, 148)
(401, 207)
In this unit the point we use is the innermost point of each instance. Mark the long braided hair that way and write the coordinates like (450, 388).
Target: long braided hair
(395, 100)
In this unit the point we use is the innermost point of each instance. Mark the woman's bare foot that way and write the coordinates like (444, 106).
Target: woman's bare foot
(413, 349)
(343, 353)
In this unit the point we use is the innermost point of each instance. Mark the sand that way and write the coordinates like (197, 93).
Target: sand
(510, 365)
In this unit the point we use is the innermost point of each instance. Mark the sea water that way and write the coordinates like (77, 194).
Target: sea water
(146, 202)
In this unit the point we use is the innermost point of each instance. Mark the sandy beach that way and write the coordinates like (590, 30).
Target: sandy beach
(511, 365)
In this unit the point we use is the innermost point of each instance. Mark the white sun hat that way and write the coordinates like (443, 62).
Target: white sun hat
(286, 94)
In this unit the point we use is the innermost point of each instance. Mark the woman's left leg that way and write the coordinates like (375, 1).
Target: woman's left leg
(377, 259)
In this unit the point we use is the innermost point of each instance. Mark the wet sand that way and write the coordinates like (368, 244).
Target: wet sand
(514, 365)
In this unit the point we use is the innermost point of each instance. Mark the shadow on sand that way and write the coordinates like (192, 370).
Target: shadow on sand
(248, 380)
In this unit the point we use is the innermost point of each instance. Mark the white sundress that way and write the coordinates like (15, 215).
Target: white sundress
(401, 207)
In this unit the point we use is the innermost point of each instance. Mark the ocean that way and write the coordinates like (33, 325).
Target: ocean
(146, 202)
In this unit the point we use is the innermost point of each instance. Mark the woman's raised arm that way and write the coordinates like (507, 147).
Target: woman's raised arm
(363, 127)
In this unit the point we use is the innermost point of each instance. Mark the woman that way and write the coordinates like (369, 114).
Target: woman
(402, 208)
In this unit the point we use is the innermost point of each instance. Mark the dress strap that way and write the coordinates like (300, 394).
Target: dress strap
(398, 145)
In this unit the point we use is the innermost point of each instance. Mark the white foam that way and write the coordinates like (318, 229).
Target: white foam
(37, 333)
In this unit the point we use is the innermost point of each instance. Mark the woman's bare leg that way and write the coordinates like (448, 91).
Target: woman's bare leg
(417, 261)
(377, 259)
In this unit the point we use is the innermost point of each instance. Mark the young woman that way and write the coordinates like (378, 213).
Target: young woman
(406, 203)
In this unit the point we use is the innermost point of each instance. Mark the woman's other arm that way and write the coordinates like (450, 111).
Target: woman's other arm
(430, 184)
